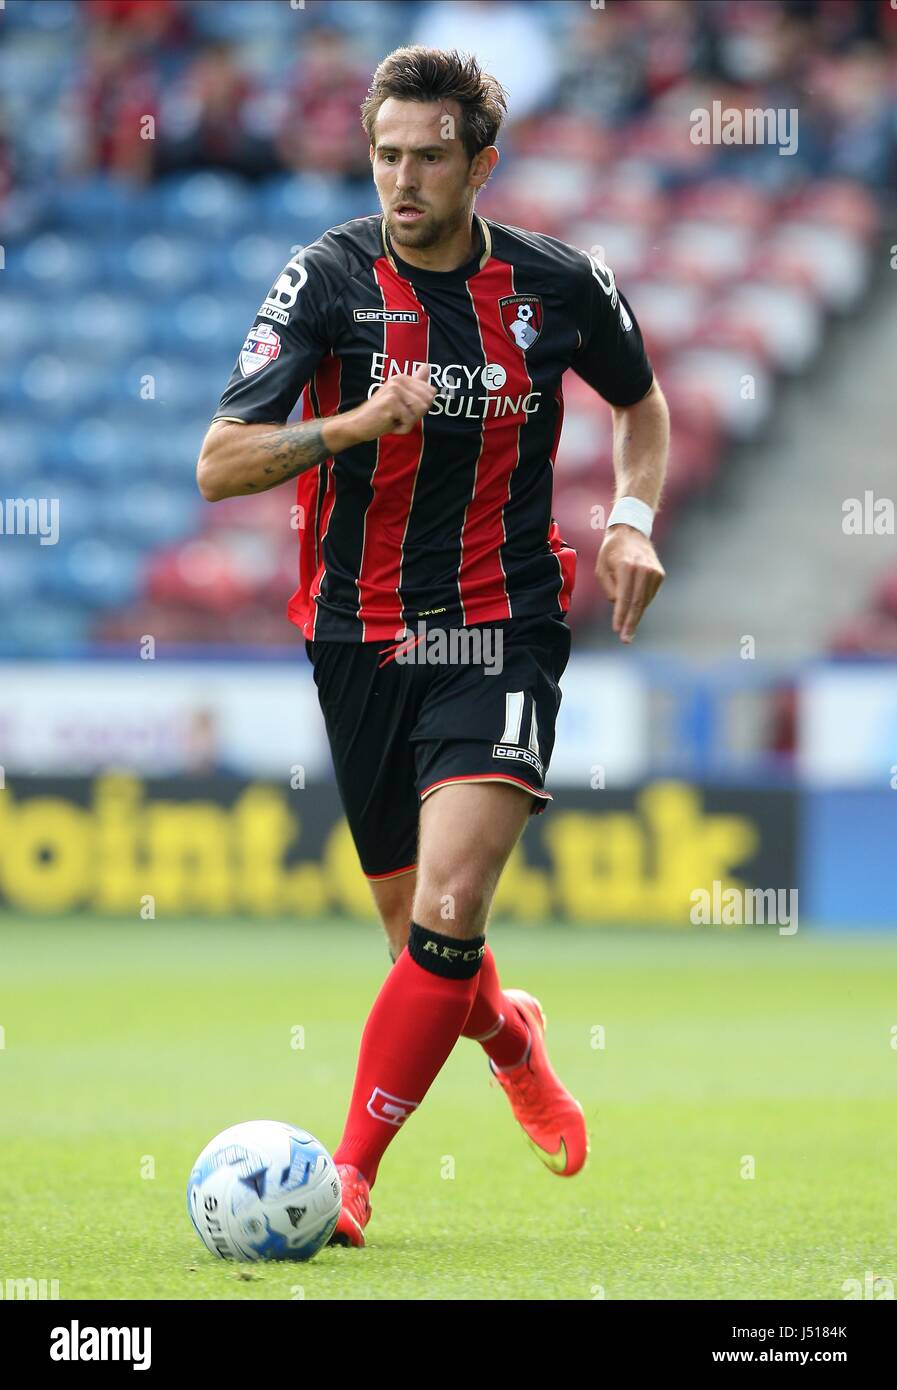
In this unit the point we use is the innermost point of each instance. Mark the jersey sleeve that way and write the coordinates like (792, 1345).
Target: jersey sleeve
(286, 342)
(611, 356)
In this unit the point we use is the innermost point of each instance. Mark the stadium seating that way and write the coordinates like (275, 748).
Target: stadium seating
(126, 301)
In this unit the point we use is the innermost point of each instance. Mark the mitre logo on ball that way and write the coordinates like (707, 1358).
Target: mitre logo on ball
(261, 347)
(521, 315)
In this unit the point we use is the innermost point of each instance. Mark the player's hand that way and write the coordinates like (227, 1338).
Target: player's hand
(630, 574)
(396, 406)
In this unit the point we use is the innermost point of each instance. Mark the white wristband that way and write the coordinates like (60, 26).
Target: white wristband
(632, 511)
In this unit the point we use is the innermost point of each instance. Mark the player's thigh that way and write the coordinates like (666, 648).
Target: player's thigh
(484, 739)
(369, 711)
(467, 832)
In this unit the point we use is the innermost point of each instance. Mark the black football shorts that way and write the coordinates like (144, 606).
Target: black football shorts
(469, 704)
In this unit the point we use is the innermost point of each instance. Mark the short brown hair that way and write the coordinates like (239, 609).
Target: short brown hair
(436, 74)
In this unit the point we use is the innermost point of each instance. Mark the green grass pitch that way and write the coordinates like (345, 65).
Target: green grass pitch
(128, 1045)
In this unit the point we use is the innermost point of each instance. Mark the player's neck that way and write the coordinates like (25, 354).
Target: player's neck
(449, 254)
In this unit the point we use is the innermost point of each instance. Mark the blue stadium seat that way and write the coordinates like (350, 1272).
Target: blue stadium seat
(306, 205)
(205, 327)
(44, 628)
(166, 263)
(23, 450)
(104, 206)
(257, 259)
(99, 327)
(163, 388)
(44, 16)
(54, 386)
(22, 331)
(210, 204)
(148, 514)
(92, 572)
(52, 262)
(175, 452)
(103, 448)
(18, 563)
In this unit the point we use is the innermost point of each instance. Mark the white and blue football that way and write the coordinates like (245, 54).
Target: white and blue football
(264, 1190)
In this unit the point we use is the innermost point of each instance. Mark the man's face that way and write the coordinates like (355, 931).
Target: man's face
(424, 179)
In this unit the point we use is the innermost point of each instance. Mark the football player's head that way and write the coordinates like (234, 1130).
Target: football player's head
(432, 118)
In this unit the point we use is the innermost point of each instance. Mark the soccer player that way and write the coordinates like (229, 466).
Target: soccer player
(429, 345)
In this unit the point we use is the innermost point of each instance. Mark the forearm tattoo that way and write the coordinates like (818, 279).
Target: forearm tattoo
(290, 451)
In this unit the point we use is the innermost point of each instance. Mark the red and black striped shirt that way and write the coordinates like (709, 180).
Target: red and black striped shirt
(450, 524)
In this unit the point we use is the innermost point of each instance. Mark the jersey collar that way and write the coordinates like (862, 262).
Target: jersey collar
(438, 277)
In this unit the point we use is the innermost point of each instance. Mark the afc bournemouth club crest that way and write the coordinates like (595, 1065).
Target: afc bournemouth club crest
(521, 315)
(261, 347)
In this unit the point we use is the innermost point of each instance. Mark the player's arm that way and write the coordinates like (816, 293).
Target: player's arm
(628, 569)
(251, 445)
(612, 359)
(238, 459)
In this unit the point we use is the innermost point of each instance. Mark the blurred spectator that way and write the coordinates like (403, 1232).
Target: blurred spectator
(670, 43)
(601, 73)
(150, 22)
(858, 94)
(727, 249)
(209, 120)
(116, 94)
(7, 156)
(321, 130)
(619, 60)
(783, 723)
(202, 746)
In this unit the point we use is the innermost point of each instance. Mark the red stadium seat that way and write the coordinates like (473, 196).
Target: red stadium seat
(579, 138)
(727, 201)
(625, 244)
(819, 248)
(724, 329)
(668, 309)
(706, 253)
(784, 318)
(838, 203)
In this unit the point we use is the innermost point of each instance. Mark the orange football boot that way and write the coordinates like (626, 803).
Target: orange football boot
(550, 1117)
(356, 1208)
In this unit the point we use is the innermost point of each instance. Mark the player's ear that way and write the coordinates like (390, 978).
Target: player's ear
(483, 165)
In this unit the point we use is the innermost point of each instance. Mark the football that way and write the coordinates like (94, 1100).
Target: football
(264, 1190)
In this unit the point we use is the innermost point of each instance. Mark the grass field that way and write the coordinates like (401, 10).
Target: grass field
(128, 1045)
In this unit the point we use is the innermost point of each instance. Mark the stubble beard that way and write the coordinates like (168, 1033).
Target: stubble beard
(429, 232)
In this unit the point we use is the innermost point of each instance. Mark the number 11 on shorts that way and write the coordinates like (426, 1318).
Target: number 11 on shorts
(514, 704)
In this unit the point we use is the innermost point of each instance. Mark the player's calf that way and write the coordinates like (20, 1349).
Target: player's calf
(394, 897)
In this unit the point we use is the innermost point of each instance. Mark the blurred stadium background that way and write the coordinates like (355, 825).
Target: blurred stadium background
(159, 731)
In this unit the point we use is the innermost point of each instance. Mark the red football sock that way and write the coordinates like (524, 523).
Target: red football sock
(413, 1025)
(493, 1022)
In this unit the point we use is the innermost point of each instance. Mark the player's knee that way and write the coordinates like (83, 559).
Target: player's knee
(455, 897)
